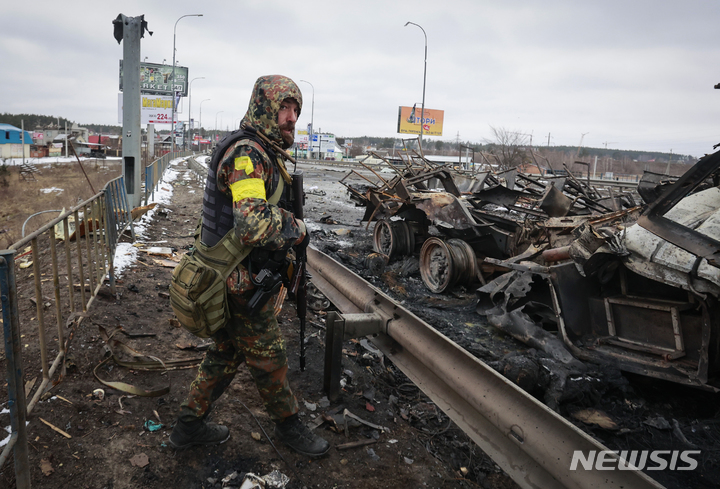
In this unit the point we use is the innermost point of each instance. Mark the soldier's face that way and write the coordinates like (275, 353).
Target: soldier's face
(287, 117)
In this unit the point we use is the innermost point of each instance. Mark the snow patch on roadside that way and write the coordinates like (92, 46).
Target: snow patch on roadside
(126, 253)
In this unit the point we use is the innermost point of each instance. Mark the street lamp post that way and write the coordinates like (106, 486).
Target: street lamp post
(172, 125)
(216, 114)
(312, 113)
(190, 109)
(200, 125)
(422, 110)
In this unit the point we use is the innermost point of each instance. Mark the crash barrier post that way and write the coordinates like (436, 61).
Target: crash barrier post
(70, 284)
(16, 394)
(154, 172)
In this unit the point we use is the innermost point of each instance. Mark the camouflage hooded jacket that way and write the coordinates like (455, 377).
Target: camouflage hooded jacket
(247, 176)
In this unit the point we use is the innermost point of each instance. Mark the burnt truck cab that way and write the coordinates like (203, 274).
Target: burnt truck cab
(647, 300)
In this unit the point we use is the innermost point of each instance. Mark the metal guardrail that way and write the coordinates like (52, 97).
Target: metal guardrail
(76, 279)
(200, 170)
(530, 442)
(154, 172)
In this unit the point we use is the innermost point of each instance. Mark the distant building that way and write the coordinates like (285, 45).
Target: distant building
(12, 144)
(47, 134)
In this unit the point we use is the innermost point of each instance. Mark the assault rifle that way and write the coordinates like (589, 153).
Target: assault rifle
(298, 286)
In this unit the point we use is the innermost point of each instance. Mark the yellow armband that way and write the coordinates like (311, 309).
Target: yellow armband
(248, 188)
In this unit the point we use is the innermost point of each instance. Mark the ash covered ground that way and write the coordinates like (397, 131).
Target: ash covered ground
(113, 447)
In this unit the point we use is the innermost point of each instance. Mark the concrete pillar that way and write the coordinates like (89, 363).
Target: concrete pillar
(151, 142)
(132, 138)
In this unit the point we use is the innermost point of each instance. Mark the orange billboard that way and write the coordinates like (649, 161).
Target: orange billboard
(409, 121)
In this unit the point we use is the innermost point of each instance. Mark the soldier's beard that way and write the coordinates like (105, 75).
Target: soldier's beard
(289, 136)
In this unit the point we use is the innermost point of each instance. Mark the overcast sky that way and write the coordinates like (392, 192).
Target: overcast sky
(627, 74)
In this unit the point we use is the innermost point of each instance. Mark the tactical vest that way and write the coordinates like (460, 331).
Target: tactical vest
(217, 215)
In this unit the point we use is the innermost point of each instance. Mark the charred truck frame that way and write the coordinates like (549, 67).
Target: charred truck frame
(580, 270)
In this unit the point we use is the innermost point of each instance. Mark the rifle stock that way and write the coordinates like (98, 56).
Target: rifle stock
(299, 283)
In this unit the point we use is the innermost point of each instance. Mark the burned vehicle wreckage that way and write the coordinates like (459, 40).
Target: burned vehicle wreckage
(580, 271)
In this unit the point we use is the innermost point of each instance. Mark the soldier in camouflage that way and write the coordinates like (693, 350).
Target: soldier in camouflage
(240, 184)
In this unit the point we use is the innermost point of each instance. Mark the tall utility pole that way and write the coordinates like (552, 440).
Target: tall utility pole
(200, 122)
(216, 126)
(422, 110)
(548, 140)
(190, 124)
(172, 125)
(129, 30)
(312, 118)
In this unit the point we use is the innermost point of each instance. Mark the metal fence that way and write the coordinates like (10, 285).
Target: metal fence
(154, 172)
(69, 259)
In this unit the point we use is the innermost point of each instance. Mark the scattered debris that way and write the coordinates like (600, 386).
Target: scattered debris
(55, 428)
(63, 399)
(140, 460)
(680, 436)
(659, 423)
(46, 467)
(596, 417)
(315, 191)
(373, 455)
(152, 426)
(328, 220)
(355, 444)
(347, 414)
(138, 212)
(165, 263)
(273, 480)
(29, 386)
(158, 250)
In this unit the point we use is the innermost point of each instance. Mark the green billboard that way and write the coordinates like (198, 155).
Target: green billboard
(157, 79)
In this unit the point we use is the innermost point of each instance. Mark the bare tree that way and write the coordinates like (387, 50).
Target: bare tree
(509, 147)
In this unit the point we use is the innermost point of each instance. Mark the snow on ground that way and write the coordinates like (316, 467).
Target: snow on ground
(51, 189)
(126, 253)
(203, 160)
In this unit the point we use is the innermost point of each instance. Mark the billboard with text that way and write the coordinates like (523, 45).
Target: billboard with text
(154, 109)
(409, 121)
(157, 79)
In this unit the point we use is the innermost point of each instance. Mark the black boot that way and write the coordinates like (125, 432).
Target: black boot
(197, 432)
(299, 437)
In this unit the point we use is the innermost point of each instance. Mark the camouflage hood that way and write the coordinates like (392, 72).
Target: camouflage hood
(269, 91)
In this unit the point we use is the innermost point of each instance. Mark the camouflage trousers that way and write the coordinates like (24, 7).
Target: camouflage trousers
(255, 340)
